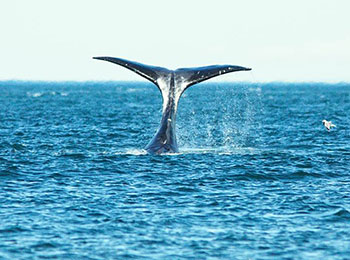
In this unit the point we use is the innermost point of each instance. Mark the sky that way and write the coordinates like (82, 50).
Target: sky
(294, 41)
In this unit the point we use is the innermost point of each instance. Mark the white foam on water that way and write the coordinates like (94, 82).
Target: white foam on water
(218, 150)
(51, 93)
(132, 152)
(130, 90)
(35, 94)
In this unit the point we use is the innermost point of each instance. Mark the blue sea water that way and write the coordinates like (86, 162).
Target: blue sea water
(257, 176)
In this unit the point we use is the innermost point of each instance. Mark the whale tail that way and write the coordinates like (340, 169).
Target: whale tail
(171, 83)
(184, 77)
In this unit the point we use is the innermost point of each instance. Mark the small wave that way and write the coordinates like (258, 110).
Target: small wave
(57, 175)
(338, 214)
(18, 146)
(13, 229)
(71, 154)
(44, 245)
(35, 94)
(198, 150)
(130, 90)
(343, 213)
(38, 94)
(132, 152)
(218, 150)
(300, 174)
(258, 90)
(50, 93)
(183, 151)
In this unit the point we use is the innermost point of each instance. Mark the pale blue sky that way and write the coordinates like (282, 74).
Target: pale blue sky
(299, 40)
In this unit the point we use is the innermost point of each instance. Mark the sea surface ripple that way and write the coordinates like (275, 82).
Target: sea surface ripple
(257, 176)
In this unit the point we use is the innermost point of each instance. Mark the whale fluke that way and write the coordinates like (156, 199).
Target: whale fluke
(152, 73)
(171, 83)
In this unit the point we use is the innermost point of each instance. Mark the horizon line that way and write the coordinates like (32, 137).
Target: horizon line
(141, 82)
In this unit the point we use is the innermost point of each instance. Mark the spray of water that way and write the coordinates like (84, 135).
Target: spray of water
(219, 116)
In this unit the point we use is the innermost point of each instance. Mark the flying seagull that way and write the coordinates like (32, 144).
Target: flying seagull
(328, 124)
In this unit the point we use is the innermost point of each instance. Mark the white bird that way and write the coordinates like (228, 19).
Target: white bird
(328, 124)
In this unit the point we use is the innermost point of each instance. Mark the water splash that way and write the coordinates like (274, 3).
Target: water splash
(226, 126)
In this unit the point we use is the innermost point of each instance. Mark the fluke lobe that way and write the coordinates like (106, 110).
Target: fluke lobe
(171, 83)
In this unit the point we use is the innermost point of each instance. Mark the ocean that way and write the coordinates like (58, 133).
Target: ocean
(257, 177)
